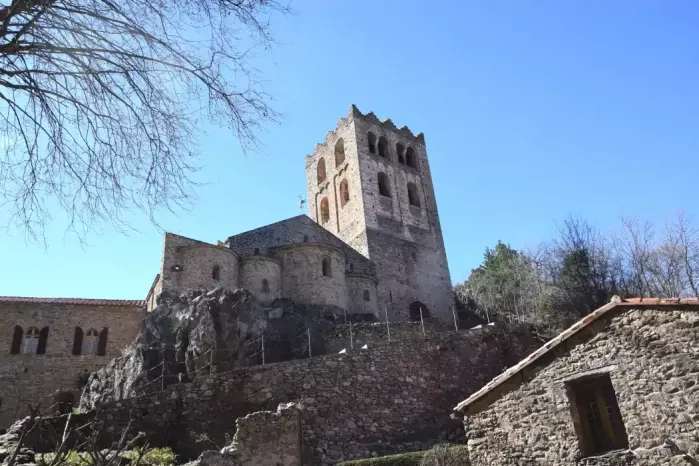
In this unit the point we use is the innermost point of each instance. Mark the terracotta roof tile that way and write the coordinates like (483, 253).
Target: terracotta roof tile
(75, 301)
(572, 330)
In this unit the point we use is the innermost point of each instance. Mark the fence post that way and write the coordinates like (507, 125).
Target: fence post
(422, 322)
(263, 349)
(162, 374)
(309, 343)
(456, 324)
(388, 327)
(351, 337)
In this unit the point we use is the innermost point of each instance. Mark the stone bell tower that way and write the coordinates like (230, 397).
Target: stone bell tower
(370, 184)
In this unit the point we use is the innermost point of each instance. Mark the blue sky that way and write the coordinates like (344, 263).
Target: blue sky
(531, 111)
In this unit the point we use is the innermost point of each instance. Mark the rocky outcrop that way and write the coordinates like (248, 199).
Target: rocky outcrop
(200, 333)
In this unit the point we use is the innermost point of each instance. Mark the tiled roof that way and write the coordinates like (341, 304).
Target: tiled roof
(632, 303)
(75, 301)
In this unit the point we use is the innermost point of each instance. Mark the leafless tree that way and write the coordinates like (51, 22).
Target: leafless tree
(100, 100)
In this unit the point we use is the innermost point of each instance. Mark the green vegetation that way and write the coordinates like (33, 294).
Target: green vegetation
(152, 457)
(405, 459)
(580, 269)
(440, 455)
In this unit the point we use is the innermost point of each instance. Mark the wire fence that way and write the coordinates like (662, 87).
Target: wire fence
(179, 365)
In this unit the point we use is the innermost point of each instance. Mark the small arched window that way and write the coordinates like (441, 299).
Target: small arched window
(383, 147)
(384, 185)
(411, 157)
(327, 270)
(17, 340)
(413, 197)
(102, 343)
(91, 342)
(265, 285)
(339, 152)
(216, 273)
(400, 151)
(31, 341)
(366, 295)
(344, 192)
(324, 210)
(320, 170)
(371, 139)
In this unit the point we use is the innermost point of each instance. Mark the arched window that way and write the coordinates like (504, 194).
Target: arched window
(216, 273)
(91, 342)
(327, 270)
(102, 343)
(366, 295)
(413, 197)
(418, 310)
(383, 147)
(17, 339)
(320, 170)
(344, 192)
(339, 152)
(384, 185)
(411, 157)
(400, 151)
(265, 285)
(371, 139)
(31, 341)
(78, 341)
(324, 210)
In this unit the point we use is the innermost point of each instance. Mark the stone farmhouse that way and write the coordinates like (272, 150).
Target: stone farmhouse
(372, 246)
(620, 387)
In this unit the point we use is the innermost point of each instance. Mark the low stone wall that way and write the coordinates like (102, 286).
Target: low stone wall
(371, 333)
(353, 402)
(652, 359)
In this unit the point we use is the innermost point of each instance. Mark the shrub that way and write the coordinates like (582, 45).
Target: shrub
(446, 455)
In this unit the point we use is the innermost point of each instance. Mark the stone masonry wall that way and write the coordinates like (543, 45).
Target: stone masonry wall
(255, 269)
(652, 358)
(302, 274)
(32, 379)
(352, 402)
(359, 288)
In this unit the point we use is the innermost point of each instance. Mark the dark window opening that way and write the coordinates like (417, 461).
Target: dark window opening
(383, 147)
(384, 186)
(596, 415)
(256, 251)
(366, 295)
(216, 273)
(344, 192)
(327, 270)
(413, 197)
(321, 170)
(400, 151)
(411, 157)
(339, 152)
(418, 311)
(265, 285)
(324, 210)
(371, 139)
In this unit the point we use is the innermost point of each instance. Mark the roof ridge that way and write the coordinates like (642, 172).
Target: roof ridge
(77, 301)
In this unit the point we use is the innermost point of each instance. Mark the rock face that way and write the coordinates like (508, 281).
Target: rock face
(198, 333)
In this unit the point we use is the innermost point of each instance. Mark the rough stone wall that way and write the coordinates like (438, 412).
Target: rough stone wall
(32, 379)
(652, 358)
(353, 402)
(359, 288)
(188, 264)
(255, 269)
(302, 274)
(373, 333)
(346, 221)
(405, 242)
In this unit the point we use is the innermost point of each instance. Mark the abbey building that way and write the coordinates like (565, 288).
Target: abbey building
(372, 244)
